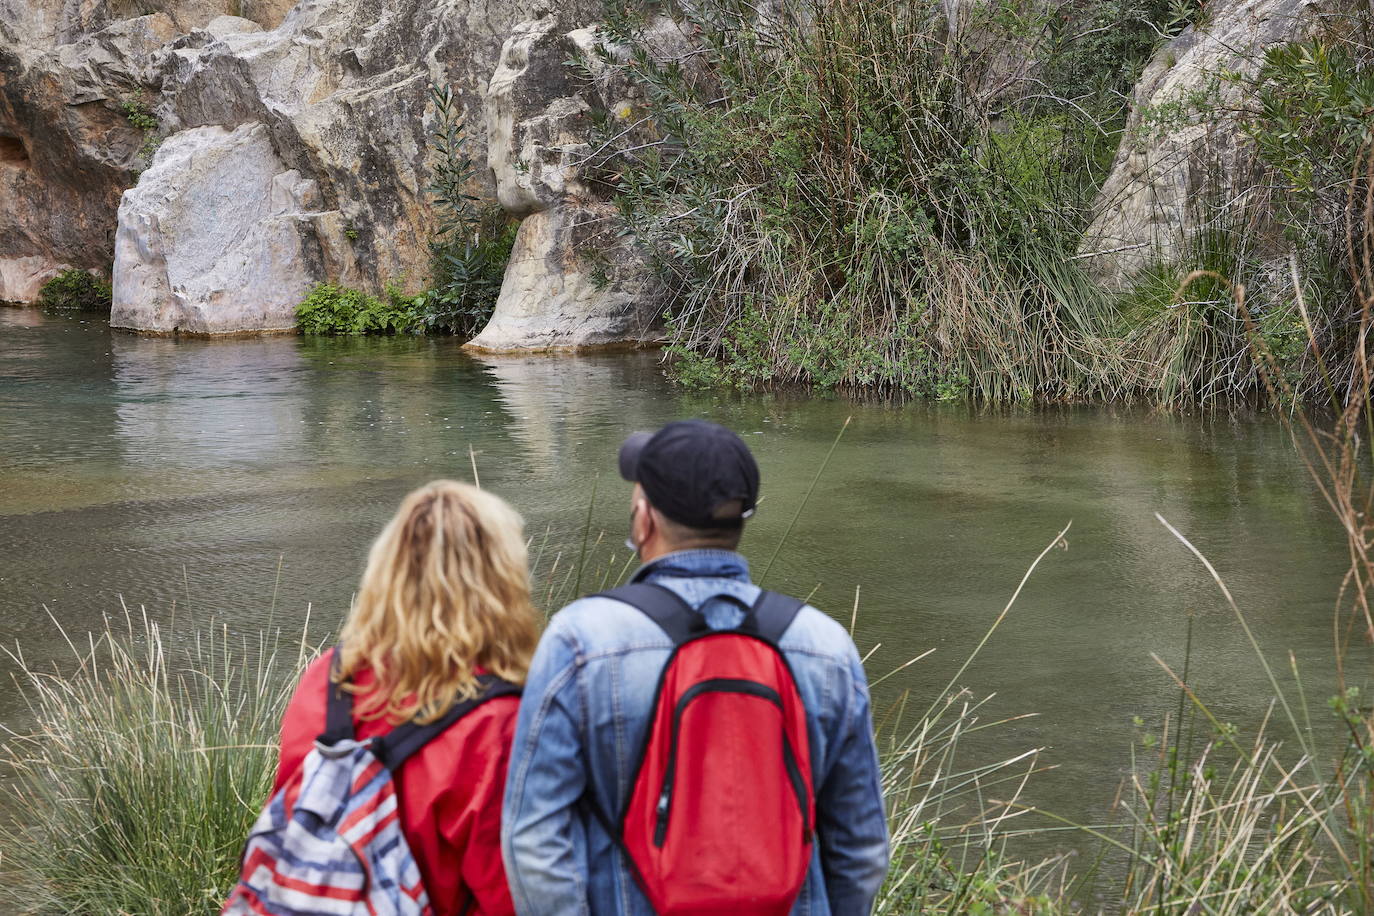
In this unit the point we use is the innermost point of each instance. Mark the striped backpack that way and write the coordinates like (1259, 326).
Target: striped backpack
(330, 841)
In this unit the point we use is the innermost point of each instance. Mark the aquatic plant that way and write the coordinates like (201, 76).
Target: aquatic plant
(884, 196)
(867, 195)
(331, 309)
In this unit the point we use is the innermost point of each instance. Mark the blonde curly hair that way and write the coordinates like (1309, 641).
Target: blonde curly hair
(446, 591)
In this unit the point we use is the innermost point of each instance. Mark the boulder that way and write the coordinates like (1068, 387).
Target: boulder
(220, 237)
(573, 280)
(1182, 144)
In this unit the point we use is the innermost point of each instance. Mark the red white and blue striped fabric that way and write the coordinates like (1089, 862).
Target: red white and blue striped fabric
(330, 844)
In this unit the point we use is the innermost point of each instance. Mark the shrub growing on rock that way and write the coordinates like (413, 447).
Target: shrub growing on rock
(467, 281)
(76, 289)
(468, 255)
(331, 309)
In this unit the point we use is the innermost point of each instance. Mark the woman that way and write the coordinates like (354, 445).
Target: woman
(445, 598)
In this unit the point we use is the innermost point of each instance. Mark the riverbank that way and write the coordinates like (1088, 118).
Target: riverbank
(153, 751)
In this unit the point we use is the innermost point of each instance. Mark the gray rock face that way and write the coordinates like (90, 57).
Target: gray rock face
(1171, 155)
(219, 237)
(46, 24)
(572, 281)
(66, 150)
(339, 89)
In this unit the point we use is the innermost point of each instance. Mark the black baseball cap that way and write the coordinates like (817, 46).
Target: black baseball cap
(690, 470)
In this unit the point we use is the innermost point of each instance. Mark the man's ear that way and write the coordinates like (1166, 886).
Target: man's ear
(640, 523)
(648, 521)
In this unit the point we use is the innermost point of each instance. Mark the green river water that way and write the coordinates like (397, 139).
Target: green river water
(188, 472)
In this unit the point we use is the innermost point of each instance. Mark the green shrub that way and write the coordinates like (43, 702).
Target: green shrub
(76, 289)
(333, 309)
(145, 768)
(466, 279)
(468, 255)
(141, 117)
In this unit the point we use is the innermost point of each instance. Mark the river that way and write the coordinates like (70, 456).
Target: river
(240, 479)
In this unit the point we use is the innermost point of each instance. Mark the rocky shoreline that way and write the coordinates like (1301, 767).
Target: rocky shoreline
(218, 158)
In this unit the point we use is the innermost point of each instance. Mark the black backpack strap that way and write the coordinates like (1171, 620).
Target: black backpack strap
(338, 708)
(664, 607)
(397, 745)
(772, 614)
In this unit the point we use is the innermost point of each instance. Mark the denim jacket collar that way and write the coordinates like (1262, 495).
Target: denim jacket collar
(696, 564)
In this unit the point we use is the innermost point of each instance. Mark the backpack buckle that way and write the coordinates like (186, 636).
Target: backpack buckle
(334, 750)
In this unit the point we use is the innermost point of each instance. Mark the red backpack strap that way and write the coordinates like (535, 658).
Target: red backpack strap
(664, 607)
(771, 615)
(397, 745)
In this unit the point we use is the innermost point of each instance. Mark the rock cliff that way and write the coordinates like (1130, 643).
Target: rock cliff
(1182, 144)
(337, 92)
(573, 281)
(225, 155)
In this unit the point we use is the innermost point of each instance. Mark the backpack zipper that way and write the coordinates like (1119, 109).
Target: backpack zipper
(663, 809)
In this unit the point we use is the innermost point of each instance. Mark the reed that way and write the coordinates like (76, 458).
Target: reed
(146, 762)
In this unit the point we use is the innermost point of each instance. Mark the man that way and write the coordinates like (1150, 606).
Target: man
(591, 695)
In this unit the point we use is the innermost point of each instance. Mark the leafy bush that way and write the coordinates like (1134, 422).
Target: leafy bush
(76, 289)
(467, 277)
(333, 309)
(468, 255)
(1311, 121)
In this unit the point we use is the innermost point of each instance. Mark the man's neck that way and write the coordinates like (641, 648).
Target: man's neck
(651, 552)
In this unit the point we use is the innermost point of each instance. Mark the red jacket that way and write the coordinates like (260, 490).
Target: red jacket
(450, 793)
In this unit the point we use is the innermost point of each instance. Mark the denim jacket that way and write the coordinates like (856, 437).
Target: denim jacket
(587, 704)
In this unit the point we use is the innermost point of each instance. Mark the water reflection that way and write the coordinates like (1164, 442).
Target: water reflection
(557, 404)
(199, 404)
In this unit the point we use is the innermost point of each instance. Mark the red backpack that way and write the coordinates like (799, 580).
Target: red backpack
(721, 812)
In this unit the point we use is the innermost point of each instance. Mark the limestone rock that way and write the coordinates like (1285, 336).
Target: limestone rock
(1172, 156)
(22, 278)
(220, 237)
(339, 86)
(67, 151)
(47, 24)
(551, 300)
(573, 281)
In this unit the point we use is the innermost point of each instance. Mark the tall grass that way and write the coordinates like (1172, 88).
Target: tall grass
(145, 764)
(951, 811)
(891, 195)
(149, 759)
(861, 194)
